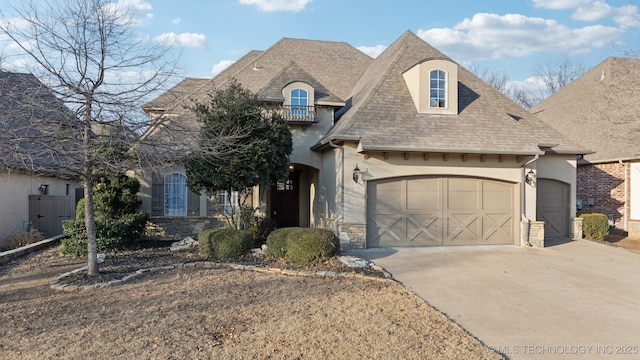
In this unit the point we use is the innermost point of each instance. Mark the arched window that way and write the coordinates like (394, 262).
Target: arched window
(299, 102)
(175, 194)
(437, 89)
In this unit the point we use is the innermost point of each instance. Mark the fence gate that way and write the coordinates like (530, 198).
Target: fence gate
(46, 213)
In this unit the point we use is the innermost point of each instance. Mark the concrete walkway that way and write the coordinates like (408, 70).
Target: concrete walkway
(577, 300)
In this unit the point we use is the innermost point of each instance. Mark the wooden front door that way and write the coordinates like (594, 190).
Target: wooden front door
(285, 202)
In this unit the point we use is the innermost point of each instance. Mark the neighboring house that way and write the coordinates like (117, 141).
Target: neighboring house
(408, 149)
(600, 111)
(36, 190)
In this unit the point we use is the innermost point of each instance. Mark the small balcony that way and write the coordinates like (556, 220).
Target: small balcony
(297, 114)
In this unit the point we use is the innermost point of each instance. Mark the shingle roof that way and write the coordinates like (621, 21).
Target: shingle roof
(599, 110)
(37, 131)
(383, 115)
(273, 90)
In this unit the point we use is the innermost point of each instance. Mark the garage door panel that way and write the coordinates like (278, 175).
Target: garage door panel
(385, 229)
(388, 195)
(462, 229)
(553, 207)
(424, 194)
(441, 211)
(497, 228)
(424, 229)
(496, 196)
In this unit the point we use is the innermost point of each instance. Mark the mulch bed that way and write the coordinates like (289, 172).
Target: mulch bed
(153, 254)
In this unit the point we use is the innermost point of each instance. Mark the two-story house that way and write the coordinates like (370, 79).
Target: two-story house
(407, 149)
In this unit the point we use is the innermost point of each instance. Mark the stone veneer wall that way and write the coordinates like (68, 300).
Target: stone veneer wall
(352, 235)
(171, 228)
(576, 228)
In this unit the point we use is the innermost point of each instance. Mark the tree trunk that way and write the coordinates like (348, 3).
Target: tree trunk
(89, 220)
(92, 243)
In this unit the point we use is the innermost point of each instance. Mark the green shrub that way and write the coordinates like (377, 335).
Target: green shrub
(120, 234)
(118, 224)
(277, 242)
(226, 244)
(312, 246)
(595, 226)
(74, 246)
(205, 247)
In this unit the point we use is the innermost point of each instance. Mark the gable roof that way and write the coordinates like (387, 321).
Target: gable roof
(273, 90)
(599, 110)
(383, 116)
(36, 128)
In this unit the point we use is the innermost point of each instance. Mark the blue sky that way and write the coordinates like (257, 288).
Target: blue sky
(505, 36)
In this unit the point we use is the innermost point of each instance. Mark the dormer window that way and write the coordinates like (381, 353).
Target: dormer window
(438, 89)
(299, 102)
(433, 85)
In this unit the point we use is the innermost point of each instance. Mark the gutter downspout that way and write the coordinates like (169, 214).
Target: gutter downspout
(523, 197)
(340, 212)
(626, 195)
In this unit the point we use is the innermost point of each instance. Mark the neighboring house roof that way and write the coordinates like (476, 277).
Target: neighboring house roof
(383, 116)
(599, 110)
(37, 130)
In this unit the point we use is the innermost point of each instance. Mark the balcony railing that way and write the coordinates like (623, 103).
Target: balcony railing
(297, 114)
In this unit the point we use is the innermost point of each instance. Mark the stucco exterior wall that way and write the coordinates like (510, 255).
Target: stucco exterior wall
(305, 136)
(14, 192)
(375, 166)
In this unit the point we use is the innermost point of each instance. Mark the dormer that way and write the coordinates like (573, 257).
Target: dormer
(299, 99)
(433, 85)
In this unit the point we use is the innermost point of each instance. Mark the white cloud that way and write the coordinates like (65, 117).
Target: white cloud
(594, 10)
(219, 67)
(627, 16)
(182, 40)
(560, 4)
(176, 21)
(134, 12)
(372, 51)
(491, 36)
(277, 5)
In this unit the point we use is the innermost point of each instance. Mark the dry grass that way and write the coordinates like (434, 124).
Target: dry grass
(22, 238)
(200, 313)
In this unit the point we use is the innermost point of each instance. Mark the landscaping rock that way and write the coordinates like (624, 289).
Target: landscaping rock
(352, 261)
(184, 244)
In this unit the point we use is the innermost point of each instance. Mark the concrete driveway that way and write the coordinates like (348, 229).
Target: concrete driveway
(574, 300)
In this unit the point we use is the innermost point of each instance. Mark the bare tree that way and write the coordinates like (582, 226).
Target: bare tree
(89, 54)
(501, 82)
(556, 74)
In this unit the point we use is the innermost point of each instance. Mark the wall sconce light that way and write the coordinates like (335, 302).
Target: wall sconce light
(356, 174)
(531, 178)
(43, 189)
(291, 167)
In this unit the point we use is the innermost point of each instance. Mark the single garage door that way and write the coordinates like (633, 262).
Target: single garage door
(553, 207)
(437, 211)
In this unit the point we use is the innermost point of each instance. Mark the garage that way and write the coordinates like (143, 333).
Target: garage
(553, 208)
(440, 211)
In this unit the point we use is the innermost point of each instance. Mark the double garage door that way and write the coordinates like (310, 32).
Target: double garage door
(440, 211)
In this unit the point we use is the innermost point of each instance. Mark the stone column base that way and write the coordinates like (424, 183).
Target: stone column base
(532, 233)
(576, 228)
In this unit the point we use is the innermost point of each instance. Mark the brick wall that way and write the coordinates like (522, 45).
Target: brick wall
(604, 183)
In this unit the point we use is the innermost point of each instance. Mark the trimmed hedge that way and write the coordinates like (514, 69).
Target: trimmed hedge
(595, 226)
(224, 244)
(303, 246)
(120, 234)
